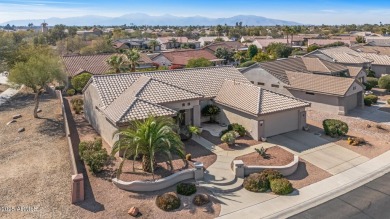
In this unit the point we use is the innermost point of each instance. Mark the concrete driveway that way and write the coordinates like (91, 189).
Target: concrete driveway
(372, 114)
(318, 151)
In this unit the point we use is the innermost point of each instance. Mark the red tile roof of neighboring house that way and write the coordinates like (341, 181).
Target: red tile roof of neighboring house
(181, 57)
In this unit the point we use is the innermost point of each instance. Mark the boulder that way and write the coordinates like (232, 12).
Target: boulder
(134, 211)
(21, 130)
(17, 116)
(12, 121)
(39, 110)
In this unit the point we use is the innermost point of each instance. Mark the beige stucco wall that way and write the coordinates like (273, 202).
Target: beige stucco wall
(259, 75)
(350, 102)
(96, 118)
(380, 70)
(281, 122)
(162, 61)
(319, 101)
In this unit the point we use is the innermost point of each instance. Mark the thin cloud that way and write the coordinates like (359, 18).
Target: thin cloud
(328, 11)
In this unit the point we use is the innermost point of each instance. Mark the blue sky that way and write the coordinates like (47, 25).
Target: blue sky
(312, 12)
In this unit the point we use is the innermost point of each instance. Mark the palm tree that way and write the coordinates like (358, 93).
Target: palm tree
(153, 44)
(115, 63)
(147, 138)
(286, 31)
(133, 57)
(174, 41)
(293, 31)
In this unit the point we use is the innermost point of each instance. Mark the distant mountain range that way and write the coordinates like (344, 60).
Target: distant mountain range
(145, 19)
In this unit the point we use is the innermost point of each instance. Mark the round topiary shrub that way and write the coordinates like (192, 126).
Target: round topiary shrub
(334, 127)
(281, 186)
(237, 128)
(384, 82)
(201, 199)
(70, 92)
(168, 201)
(229, 138)
(367, 101)
(271, 174)
(256, 182)
(372, 82)
(186, 189)
(372, 97)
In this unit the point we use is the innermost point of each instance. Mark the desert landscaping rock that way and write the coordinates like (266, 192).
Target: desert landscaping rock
(39, 110)
(21, 130)
(17, 116)
(12, 121)
(133, 211)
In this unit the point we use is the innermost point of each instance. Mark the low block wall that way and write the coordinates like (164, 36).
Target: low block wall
(150, 186)
(241, 170)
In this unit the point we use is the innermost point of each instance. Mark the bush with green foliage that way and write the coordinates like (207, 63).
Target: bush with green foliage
(199, 62)
(79, 81)
(252, 51)
(370, 73)
(388, 101)
(256, 182)
(367, 85)
(271, 174)
(168, 201)
(194, 130)
(279, 50)
(384, 82)
(312, 47)
(334, 127)
(372, 97)
(60, 87)
(212, 111)
(367, 101)
(77, 104)
(201, 199)
(281, 186)
(237, 128)
(70, 92)
(229, 138)
(373, 82)
(247, 64)
(93, 154)
(186, 189)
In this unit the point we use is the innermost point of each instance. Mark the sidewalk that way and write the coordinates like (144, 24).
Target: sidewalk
(317, 193)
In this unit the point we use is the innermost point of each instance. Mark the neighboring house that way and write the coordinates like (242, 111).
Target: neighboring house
(204, 41)
(324, 42)
(263, 43)
(176, 42)
(359, 73)
(140, 44)
(337, 95)
(181, 57)
(96, 64)
(94, 32)
(229, 45)
(378, 41)
(380, 64)
(165, 93)
(372, 49)
(351, 39)
(245, 39)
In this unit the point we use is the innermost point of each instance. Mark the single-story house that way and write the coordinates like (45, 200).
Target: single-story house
(96, 64)
(229, 45)
(372, 49)
(245, 39)
(324, 42)
(112, 101)
(333, 94)
(204, 41)
(176, 42)
(263, 43)
(359, 73)
(378, 40)
(93, 32)
(380, 64)
(181, 57)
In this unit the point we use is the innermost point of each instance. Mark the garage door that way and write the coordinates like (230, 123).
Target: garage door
(278, 123)
(351, 102)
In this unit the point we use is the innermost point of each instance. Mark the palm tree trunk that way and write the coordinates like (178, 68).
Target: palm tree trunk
(36, 99)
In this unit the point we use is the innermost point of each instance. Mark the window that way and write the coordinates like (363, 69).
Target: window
(183, 104)
(188, 104)
(309, 93)
(260, 83)
(354, 88)
(252, 82)
(275, 85)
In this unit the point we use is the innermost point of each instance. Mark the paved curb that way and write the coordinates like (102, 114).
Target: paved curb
(310, 203)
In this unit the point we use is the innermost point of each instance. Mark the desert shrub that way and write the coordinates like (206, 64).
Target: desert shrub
(367, 101)
(70, 92)
(281, 186)
(247, 64)
(188, 157)
(229, 137)
(211, 110)
(355, 141)
(60, 87)
(186, 189)
(77, 104)
(256, 182)
(370, 73)
(237, 128)
(79, 81)
(262, 152)
(334, 127)
(168, 201)
(388, 101)
(372, 97)
(201, 199)
(384, 82)
(93, 155)
(194, 130)
(271, 174)
(223, 132)
(373, 82)
(368, 86)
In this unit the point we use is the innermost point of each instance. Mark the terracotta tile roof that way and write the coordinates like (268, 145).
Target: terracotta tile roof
(181, 57)
(278, 68)
(255, 100)
(319, 83)
(230, 45)
(323, 42)
(354, 71)
(94, 64)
